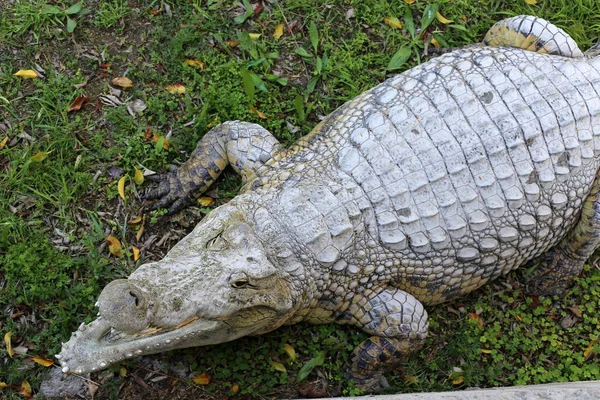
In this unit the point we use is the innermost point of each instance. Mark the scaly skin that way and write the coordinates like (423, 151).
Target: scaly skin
(417, 191)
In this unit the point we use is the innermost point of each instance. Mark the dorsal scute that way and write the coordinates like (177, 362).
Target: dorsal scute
(534, 34)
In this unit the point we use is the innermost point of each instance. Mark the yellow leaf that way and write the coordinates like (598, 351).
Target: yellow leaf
(206, 201)
(442, 19)
(531, 2)
(232, 43)
(201, 379)
(260, 114)
(25, 390)
(278, 31)
(176, 88)
(135, 221)
(40, 156)
(122, 81)
(139, 233)
(121, 186)
(156, 138)
(393, 22)
(26, 74)
(458, 379)
(486, 351)
(290, 351)
(122, 371)
(254, 36)
(3, 385)
(3, 142)
(589, 349)
(114, 246)
(136, 253)
(43, 361)
(235, 388)
(278, 366)
(409, 1)
(435, 43)
(9, 348)
(518, 318)
(195, 63)
(138, 176)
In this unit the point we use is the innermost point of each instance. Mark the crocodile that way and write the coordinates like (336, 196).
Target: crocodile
(419, 190)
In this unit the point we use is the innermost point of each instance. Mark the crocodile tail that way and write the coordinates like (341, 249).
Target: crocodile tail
(534, 34)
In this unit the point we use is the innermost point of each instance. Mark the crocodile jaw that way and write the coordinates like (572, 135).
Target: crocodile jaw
(97, 345)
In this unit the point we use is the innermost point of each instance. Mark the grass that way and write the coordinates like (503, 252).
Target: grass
(56, 213)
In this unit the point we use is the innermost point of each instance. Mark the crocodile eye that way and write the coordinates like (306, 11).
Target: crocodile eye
(241, 283)
(213, 241)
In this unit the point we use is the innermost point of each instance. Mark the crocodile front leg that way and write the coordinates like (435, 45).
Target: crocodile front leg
(242, 145)
(398, 323)
(565, 261)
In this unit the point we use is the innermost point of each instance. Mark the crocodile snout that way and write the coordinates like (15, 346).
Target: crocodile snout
(125, 305)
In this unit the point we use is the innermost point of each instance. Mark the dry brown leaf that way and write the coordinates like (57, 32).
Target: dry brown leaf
(166, 145)
(8, 344)
(176, 88)
(25, 390)
(114, 246)
(123, 82)
(260, 114)
(156, 12)
(43, 361)
(121, 186)
(105, 66)
(575, 311)
(201, 379)
(138, 176)
(442, 19)
(393, 22)
(92, 389)
(40, 156)
(26, 74)
(3, 142)
(278, 33)
(148, 133)
(289, 350)
(195, 63)
(136, 253)
(77, 103)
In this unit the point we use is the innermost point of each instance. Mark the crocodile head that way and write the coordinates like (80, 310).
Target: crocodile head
(216, 285)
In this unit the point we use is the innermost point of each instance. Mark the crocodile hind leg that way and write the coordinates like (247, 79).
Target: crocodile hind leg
(565, 260)
(398, 323)
(242, 145)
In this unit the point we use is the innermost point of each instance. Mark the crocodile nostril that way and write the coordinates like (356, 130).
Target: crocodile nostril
(251, 259)
(135, 298)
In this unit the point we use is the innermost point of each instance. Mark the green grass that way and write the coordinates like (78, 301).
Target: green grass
(55, 214)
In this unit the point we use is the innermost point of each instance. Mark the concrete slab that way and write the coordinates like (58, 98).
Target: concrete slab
(555, 391)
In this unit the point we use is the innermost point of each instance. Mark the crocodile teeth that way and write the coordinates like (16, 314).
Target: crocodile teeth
(58, 356)
(65, 369)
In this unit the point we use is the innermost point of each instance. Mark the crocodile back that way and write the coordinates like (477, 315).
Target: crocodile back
(460, 169)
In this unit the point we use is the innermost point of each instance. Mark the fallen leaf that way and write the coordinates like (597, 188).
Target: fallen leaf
(121, 186)
(393, 22)
(590, 348)
(3, 385)
(232, 43)
(122, 81)
(92, 389)
(8, 343)
(486, 351)
(138, 176)
(135, 221)
(458, 379)
(316, 361)
(122, 371)
(201, 379)
(139, 233)
(165, 143)
(289, 350)
(136, 107)
(26, 74)
(258, 8)
(3, 142)
(176, 88)
(206, 201)
(261, 115)
(435, 43)
(104, 67)
(235, 388)
(114, 246)
(195, 63)
(148, 133)
(278, 366)
(411, 379)
(531, 2)
(43, 361)
(156, 12)
(254, 36)
(278, 33)
(40, 156)
(518, 318)
(409, 1)
(136, 253)
(442, 19)
(575, 311)
(77, 103)
(25, 390)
